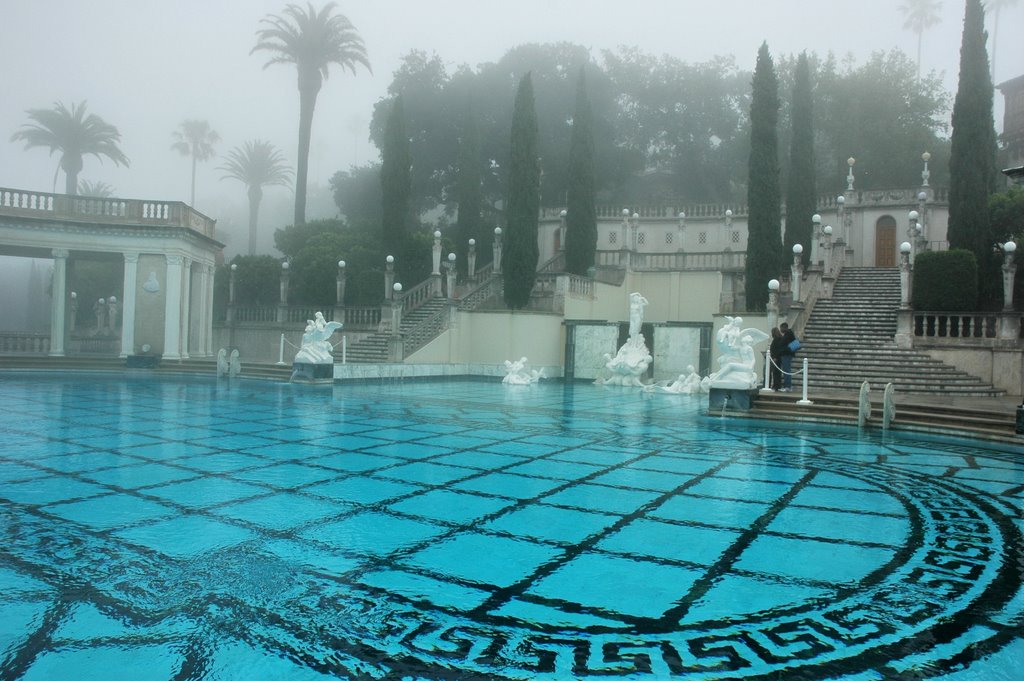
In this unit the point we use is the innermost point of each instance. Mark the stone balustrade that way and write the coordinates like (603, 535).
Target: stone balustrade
(115, 211)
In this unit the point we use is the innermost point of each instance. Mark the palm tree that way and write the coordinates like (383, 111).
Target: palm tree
(74, 134)
(919, 16)
(195, 138)
(257, 164)
(994, 6)
(98, 190)
(312, 40)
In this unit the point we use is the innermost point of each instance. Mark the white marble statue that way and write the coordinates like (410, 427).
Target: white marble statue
(316, 345)
(112, 313)
(637, 303)
(736, 357)
(519, 374)
(633, 358)
(234, 365)
(687, 384)
(100, 310)
(222, 363)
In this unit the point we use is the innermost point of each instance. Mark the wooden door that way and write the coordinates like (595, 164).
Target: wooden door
(885, 242)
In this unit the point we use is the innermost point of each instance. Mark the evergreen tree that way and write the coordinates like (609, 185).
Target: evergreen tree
(972, 162)
(581, 213)
(801, 192)
(519, 259)
(395, 180)
(469, 224)
(764, 242)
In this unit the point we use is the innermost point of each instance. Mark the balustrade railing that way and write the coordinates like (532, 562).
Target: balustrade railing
(955, 325)
(416, 296)
(425, 330)
(110, 210)
(720, 260)
(24, 343)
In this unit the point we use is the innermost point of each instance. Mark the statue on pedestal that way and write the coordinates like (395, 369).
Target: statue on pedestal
(316, 345)
(633, 358)
(736, 361)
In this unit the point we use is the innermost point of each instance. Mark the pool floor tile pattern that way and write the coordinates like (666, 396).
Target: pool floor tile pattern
(436, 530)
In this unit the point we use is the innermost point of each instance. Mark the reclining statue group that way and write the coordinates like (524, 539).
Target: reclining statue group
(735, 363)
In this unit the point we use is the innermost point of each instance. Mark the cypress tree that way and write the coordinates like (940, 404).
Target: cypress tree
(468, 224)
(395, 179)
(519, 259)
(764, 240)
(972, 160)
(581, 213)
(801, 192)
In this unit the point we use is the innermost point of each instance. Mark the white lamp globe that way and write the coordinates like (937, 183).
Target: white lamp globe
(905, 247)
(773, 284)
(797, 249)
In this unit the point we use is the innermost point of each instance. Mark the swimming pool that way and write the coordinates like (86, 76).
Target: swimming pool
(203, 530)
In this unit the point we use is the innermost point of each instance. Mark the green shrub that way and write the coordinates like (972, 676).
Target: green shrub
(945, 281)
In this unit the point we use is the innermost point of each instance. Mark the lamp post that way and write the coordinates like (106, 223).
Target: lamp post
(231, 292)
(815, 240)
(561, 229)
(450, 275)
(828, 250)
(74, 312)
(282, 305)
(925, 174)
(773, 303)
(339, 293)
(634, 226)
(849, 175)
(682, 230)
(497, 250)
(389, 276)
(727, 227)
(922, 229)
(913, 231)
(471, 259)
(625, 229)
(1009, 270)
(905, 269)
(437, 254)
(841, 218)
(796, 272)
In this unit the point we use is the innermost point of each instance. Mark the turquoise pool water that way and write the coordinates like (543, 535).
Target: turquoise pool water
(470, 530)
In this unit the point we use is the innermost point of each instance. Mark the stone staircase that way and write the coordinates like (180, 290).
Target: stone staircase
(374, 348)
(849, 339)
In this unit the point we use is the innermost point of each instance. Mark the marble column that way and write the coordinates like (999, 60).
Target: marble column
(58, 309)
(186, 308)
(128, 302)
(172, 308)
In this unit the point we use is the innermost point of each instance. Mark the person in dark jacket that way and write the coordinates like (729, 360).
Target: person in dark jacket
(787, 357)
(775, 353)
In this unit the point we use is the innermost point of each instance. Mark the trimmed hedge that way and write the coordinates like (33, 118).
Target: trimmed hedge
(945, 281)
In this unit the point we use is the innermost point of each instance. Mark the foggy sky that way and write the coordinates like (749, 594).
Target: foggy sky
(145, 66)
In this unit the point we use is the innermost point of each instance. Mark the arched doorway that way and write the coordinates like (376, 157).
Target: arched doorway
(885, 242)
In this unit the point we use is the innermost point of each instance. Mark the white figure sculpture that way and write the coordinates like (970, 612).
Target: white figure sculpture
(316, 345)
(234, 365)
(222, 363)
(736, 361)
(519, 374)
(633, 358)
(637, 303)
(112, 313)
(687, 384)
(100, 310)
(151, 285)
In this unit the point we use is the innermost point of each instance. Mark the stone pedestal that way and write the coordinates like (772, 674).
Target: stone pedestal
(732, 399)
(307, 372)
(904, 337)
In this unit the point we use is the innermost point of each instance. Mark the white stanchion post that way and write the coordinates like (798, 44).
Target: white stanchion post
(803, 399)
(344, 349)
(280, 354)
(767, 365)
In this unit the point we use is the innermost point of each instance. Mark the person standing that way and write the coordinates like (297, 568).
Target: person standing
(775, 355)
(788, 337)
